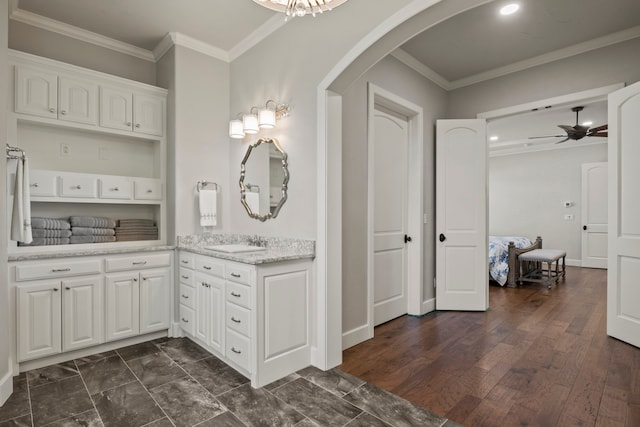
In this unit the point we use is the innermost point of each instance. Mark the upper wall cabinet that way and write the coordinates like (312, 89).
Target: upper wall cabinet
(45, 94)
(126, 110)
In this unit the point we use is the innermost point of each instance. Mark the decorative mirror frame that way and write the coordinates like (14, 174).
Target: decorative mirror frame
(285, 181)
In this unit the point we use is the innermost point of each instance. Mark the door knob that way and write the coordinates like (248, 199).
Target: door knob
(407, 238)
(584, 227)
(442, 237)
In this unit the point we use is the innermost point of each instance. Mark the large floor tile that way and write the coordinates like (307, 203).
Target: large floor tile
(282, 381)
(106, 373)
(52, 373)
(138, 350)
(392, 409)
(316, 403)
(156, 369)
(129, 405)
(258, 407)
(18, 403)
(94, 357)
(23, 421)
(56, 401)
(226, 419)
(367, 420)
(186, 402)
(183, 350)
(164, 422)
(215, 375)
(86, 419)
(334, 380)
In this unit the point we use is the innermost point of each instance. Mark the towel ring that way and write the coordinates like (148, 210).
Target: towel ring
(204, 184)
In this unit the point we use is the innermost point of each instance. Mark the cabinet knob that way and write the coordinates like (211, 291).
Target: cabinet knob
(184, 261)
(128, 123)
(63, 112)
(137, 125)
(149, 191)
(233, 319)
(235, 350)
(78, 187)
(185, 296)
(234, 294)
(184, 277)
(67, 288)
(55, 289)
(115, 189)
(35, 184)
(135, 280)
(185, 320)
(52, 110)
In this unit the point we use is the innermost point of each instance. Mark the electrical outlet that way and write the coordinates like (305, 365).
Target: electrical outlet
(65, 150)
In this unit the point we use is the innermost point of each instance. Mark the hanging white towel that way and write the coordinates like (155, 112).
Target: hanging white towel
(253, 200)
(21, 215)
(208, 207)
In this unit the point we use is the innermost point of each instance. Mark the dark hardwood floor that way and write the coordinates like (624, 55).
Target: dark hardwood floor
(538, 357)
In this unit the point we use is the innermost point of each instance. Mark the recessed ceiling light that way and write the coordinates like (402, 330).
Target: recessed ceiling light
(493, 138)
(509, 9)
(587, 123)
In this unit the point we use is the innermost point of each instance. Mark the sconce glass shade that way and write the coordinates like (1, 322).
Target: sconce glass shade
(267, 118)
(250, 123)
(236, 129)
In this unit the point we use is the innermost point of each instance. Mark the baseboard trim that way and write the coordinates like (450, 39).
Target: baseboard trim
(356, 336)
(428, 306)
(573, 262)
(176, 330)
(6, 387)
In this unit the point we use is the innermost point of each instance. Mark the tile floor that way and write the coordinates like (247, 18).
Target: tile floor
(174, 382)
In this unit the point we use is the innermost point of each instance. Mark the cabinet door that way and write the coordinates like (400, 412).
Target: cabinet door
(116, 108)
(217, 319)
(39, 321)
(122, 305)
(82, 308)
(148, 113)
(77, 101)
(36, 92)
(203, 307)
(154, 300)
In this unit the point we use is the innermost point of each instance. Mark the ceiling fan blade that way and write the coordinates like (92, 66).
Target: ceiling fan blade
(548, 136)
(566, 128)
(598, 129)
(601, 134)
(560, 142)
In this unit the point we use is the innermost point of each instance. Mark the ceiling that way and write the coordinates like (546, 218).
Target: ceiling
(470, 44)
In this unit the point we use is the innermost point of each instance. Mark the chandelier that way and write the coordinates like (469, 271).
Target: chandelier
(300, 7)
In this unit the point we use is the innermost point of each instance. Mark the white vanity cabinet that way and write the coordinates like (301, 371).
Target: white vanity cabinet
(254, 317)
(125, 110)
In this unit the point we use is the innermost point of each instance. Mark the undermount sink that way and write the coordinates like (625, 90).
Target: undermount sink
(235, 248)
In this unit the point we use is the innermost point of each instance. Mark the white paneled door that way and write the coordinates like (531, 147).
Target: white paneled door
(594, 215)
(389, 156)
(461, 215)
(623, 286)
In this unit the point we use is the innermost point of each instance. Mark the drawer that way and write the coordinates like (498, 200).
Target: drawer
(187, 260)
(136, 261)
(239, 294)
(238, 274)
(237, 349)
(115, 187)
(57, 269)
(77, 186)
(238, 319)
(187, 319)
(43, 183)
(186, 276)
(187, 296)
(210, 266)
(147, 189)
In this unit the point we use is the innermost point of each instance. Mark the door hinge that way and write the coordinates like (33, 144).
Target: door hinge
(434, 282)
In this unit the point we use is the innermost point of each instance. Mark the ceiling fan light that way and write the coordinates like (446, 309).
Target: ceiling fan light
(588, 123)
(509, 9)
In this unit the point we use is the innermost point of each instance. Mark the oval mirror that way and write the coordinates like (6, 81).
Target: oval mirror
(263, 179)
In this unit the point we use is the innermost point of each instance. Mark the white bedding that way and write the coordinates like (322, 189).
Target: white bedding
(499, 255)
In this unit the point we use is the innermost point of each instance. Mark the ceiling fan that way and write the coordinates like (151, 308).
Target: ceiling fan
(578, 131)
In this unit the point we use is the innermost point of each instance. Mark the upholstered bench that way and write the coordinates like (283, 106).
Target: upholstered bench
(539, 257)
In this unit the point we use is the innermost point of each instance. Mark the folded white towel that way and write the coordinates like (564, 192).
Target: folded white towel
(208, 207)
(21, 215)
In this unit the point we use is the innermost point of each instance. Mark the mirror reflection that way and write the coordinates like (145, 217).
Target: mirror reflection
(263, 179)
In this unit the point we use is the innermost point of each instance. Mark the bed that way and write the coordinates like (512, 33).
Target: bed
(503, 257)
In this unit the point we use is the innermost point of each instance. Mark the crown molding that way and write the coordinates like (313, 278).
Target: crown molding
(180, 39)
(263, 31)
(411, 62)
(556, 55)
(163, 47)
(58, 27)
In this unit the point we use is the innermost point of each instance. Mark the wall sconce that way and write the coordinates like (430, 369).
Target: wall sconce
(264, 119)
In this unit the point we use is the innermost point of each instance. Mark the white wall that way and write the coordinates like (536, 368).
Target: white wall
(527, 192)
(6, 381)
(397, 78)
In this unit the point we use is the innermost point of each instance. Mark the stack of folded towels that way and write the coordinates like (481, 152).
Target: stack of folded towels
(92, 229)
(49, 231)
(136, 229)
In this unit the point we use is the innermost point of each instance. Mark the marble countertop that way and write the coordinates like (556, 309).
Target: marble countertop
(277, 249)
(87, 252)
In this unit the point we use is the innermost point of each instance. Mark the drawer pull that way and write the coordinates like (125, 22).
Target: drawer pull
(233, 294)
(233, 319)
(115, 189)
(236, 351)
(206, 267)
(185, 320)
(185, 296)
(149, 191)
(52, 110)
(139, 262)
(78, 187)
(184, 261)
(206, 285)
(135, 280)
(184, 277)
(55, 289)
(235, 275)
(35, 184)
(67, 288)
(59, 270)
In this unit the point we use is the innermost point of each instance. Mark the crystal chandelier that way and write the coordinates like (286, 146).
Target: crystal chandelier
(300, 7)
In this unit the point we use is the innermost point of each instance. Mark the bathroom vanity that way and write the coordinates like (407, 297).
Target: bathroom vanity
(252, 309)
